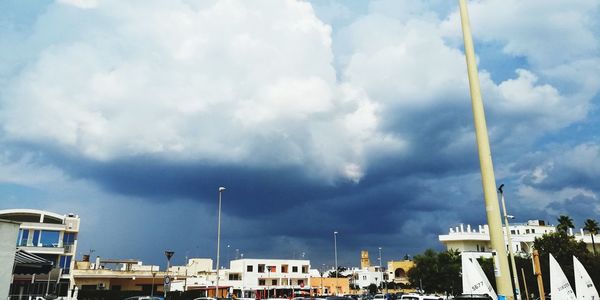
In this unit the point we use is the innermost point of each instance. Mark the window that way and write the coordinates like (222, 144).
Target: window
(512, 232)
(305, 269)
(295, 269)
(271, 269)
(36, 238)
(261, 282)
(526, 230)
(65, 263)
(261, 268)
(284, 268)
(23, 236)
(249, 268)
(532, 230)
(235, 276)
(300, 282)
(274, 282)
(49, 238)
(68, 238)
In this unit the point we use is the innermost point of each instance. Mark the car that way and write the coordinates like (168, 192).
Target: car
(205, 298)
(145, 298)
(420, 297)
(473, 297)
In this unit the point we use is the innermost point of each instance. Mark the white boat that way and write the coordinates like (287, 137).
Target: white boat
(584, 286)
(474, 280)
(560, 288)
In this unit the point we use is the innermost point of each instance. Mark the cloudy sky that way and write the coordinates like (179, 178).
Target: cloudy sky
(316, 116)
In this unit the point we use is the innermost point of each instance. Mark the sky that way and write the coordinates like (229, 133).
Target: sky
(320, 116)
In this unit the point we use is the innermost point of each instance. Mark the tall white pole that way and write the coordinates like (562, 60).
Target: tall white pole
(488, 179)
(336, 262)
(510, 247)
(221, 189)
(380, 270)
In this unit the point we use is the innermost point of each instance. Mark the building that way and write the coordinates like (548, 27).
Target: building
(367, 274)
(398, 270)
(118, 275)
(247, 278)
(50, 236)
(329, 285)
(467, 239)
(8, 238)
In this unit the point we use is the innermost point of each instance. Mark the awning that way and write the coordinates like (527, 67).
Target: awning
(27, 263)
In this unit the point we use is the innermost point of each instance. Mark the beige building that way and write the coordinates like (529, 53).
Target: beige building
(118, 275)
(398, 270)
(327, 285)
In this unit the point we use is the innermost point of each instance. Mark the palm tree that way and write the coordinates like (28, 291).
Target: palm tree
(564, 223)
(591, 226)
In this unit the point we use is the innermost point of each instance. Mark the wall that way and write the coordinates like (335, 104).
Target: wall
(8, 245)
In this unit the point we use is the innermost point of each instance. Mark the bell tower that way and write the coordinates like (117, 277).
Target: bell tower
(364, 259)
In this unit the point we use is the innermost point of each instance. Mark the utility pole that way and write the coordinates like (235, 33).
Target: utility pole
(538, 273)
(488, 179)
(525, 284)
(510, 246)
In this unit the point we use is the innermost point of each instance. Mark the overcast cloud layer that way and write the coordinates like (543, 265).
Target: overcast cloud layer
(332, 115)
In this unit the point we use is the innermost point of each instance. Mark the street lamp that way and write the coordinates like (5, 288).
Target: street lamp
(380, 270)
(336, 262)
(168, 254)
(221, 189)
(510, 247)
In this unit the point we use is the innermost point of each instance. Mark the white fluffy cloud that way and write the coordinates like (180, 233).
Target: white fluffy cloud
(228, 82)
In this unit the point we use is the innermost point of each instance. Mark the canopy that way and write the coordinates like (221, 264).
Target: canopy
(27, 263)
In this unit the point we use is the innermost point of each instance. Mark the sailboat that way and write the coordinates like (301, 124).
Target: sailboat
(560, 288)
(583, 283)
(474, 280)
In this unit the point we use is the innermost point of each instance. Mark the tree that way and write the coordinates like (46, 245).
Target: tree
(437, 272)
(591, 226)
(372, 289)
(563, 247)
(564, 223)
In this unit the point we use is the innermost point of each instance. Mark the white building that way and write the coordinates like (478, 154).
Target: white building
(467, 239)
(367, 276)
(247, 277)
(50, 236)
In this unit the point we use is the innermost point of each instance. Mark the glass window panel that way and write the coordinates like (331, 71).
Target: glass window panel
(36, 238)
(49, 238)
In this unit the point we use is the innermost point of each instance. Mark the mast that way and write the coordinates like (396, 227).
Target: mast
(492, 208)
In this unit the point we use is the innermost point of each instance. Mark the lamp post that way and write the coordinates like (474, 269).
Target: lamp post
(336, 262)
(168, 254)
(152, 291)
(221, 189)
(510, 247)
(381, 270)
(492, 209)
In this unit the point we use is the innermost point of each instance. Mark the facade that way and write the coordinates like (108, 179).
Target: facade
(329, 285)
(398, 270)
(50, 236)
(365, 277)
(522, 237)
(8, 238)
(246, 278)
(118, 275)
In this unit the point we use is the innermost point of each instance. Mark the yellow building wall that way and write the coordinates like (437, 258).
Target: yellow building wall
(326, 285)
(399, 270)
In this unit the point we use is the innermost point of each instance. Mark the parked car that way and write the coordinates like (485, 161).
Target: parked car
(145, 298)
(473, 297)
(420, 297)
(205, 298)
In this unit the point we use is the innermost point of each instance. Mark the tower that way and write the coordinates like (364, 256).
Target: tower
(364, 259)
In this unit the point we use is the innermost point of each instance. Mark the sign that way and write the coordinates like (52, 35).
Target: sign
(167, 280)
